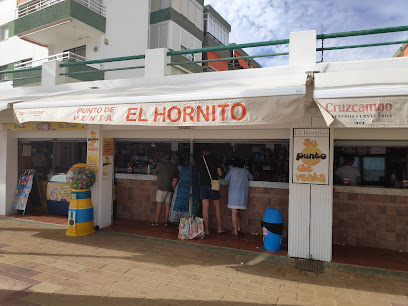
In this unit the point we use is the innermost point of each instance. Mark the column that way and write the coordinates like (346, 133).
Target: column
(8, 173)
(102, 161)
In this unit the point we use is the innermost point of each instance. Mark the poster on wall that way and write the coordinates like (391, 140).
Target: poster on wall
(107, 157)
(93, 149)
(40, 155)
(27, 188)
(311, 156)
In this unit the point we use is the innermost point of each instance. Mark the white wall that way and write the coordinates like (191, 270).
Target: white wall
(14, 49)
(179, 36)
(8, 173)
(7, 9)
(127, 29)
(190, 9)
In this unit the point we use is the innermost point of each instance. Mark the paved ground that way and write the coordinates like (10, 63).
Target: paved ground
(39, 264)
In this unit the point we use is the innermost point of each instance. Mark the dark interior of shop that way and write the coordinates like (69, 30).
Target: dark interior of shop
(379, 166)
(268, 161)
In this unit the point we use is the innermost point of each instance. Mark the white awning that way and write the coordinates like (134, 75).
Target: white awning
(248, 101)
(3, 106)
(364, 106)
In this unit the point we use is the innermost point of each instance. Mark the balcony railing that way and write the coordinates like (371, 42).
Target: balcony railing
(33, 6)
(65, 56)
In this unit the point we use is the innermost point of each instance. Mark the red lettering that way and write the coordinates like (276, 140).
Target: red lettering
(243, 111)
(380, 108)
(213, 112)
(188, 111)
(109, 118)
(328, 105)
(178, 113)
(79, 110)
(92, 118)
(83, 118)
(163, 114)
(354, 107)
(206, 115)
(129, 113)
(388, 107)
(223, 106)
(140, 115)
(76, 117)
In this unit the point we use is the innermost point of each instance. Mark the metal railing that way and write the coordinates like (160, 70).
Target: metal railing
(64, 56)
(233, 47)
(286, 41)
(33, 6)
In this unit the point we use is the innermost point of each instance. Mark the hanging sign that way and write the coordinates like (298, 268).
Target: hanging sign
(311, 156)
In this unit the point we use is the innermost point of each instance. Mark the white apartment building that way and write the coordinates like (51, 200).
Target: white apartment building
(35, 31)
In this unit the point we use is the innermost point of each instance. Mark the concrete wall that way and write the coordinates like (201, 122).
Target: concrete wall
(127, 30)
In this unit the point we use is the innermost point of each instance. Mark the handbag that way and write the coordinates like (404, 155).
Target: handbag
(215, 184)
(190, 228)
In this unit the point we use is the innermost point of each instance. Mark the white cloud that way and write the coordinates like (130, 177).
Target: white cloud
(262, 20)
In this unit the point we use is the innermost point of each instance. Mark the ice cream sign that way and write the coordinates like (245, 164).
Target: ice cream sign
(311, 156)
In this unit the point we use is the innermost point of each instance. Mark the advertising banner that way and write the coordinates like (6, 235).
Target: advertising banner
(311, 156)
(372, 112)
(248, 111)
(92, 159)
(42, 126)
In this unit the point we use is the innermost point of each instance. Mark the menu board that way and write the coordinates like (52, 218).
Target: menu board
(27, 187)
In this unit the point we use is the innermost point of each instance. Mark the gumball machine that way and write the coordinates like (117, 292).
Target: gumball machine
(80, 179)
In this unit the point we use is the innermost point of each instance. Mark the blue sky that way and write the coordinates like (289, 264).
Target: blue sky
(261, 20)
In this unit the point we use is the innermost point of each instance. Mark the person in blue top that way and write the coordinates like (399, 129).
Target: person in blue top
(238, 178)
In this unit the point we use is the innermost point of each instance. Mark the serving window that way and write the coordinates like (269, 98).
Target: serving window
(381, 165)
(267, 161)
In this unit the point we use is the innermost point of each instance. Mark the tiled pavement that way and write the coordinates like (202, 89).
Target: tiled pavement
(40, 265)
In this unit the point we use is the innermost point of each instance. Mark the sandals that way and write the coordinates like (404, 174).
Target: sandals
(154, 224)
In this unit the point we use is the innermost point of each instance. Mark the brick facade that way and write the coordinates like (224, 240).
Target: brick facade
(370, 220)
(136, 200)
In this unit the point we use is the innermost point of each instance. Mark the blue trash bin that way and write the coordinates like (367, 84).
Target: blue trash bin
(272, 223)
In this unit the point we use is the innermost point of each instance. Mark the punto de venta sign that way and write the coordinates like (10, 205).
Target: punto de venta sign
(311, 156)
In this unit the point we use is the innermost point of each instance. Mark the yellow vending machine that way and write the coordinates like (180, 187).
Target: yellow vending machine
(80, 178)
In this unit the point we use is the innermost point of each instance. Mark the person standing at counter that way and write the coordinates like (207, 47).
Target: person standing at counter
(166, 171)
(238, 178)
(348, 172)
(206, 193)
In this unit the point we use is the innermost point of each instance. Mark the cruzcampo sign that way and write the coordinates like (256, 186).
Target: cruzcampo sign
(311, 156)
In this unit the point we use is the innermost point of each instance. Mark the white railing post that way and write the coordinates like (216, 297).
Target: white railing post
(302, 50)
(50, 74)
(156, 63)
